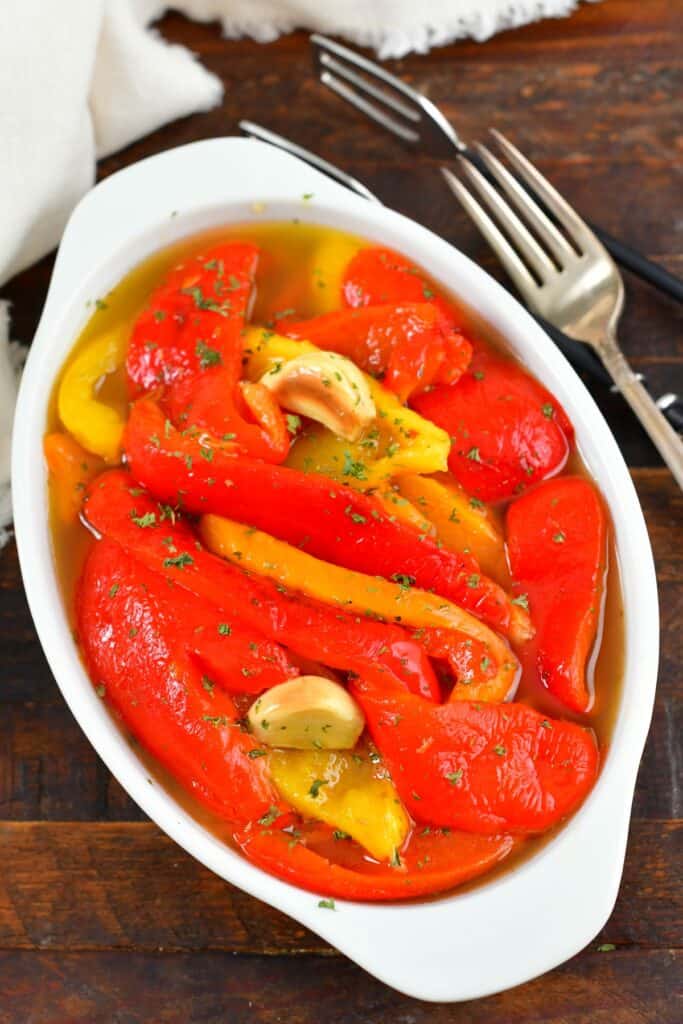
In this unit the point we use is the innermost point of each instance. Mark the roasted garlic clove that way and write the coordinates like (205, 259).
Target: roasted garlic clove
(307, 713)
(326, 387)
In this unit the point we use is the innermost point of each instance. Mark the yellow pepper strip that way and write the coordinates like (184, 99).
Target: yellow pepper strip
(462, 523)
(96, 426)
(399, 441)
(361, 594)
(330, 260)
(346, 791)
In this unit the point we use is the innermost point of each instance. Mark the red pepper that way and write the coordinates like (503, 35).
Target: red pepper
(188, 343)
(480, 767)
(380, 651)
(507, 431)
(411, 346)
(556, 537)
(433, 861)
(333, 522)
(377, 275)
(128, 624)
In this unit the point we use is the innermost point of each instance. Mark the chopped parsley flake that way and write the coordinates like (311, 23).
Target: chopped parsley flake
(148, 519)
(179, 562)
(270, 816)
(352, 468)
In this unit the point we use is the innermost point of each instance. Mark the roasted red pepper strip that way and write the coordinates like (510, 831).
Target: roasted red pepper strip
(507, 431)
(411, 346)
(556, 537)
(376, 275)
(432, 862)
(330, 521)
(128, 629)
(188, 343)
(479, 767)
(383, 652)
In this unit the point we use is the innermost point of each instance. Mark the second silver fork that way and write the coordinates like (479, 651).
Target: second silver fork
(561, 270)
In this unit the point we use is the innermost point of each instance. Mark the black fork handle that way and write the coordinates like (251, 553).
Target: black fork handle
(640, 265)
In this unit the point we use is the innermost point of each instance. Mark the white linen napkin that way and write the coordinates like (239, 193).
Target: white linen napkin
(80, 79)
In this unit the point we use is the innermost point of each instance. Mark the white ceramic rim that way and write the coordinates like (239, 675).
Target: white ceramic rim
(462, 946)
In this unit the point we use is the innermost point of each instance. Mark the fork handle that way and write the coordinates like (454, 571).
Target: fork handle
(662, 434)
(640, 265)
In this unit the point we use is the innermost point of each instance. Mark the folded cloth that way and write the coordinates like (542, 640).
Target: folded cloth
(80, 79)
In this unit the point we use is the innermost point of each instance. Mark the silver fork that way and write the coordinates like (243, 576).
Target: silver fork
(561, 270)
(418, 122)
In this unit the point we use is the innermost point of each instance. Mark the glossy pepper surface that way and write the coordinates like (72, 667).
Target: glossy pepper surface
(328, 520)
(480, 767)
(558, 549)
(410, 346)
(433, 861)
(128, 624)
(484, 666)
(349, 643)
(507, 431)
(187, 346)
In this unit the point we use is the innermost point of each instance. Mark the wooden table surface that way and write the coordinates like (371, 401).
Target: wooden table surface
(102, 918)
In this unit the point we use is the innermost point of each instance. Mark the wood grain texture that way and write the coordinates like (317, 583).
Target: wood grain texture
(216, 988)
(77, 886)
(102, 918)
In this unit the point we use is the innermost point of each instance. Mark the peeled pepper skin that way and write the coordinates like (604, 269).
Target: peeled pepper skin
(128, 627)
(330, 521)
(352, 795)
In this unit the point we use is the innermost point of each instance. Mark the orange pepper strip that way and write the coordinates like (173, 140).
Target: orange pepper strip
(462, 523)
(484, 666)
(71, 470)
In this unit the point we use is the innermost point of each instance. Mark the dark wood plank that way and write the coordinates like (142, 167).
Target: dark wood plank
(80, 886)
(101, 988)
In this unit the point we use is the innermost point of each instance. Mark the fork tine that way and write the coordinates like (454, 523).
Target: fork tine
(322, 45)
(576, 228)
(437, 131)
(371, 110)
(554, 241)
(336, 66)
(500, 245)
(536, 257)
